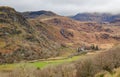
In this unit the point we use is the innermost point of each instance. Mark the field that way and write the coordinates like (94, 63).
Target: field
(39, 64)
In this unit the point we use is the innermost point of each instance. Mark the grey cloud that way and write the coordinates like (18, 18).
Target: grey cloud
(64, 7)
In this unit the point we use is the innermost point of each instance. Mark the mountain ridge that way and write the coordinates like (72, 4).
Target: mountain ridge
(34, 14)
(96, 17)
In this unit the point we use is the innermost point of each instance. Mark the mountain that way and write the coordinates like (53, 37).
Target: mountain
(74, 33)
(20, 40)
(116, 22)
(34, 14)
(96, 17)
(40, 35)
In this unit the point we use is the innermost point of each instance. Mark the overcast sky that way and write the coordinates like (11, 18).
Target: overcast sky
(64, 7)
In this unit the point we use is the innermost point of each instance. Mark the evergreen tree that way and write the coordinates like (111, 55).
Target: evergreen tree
(93, 47)
(96, 48)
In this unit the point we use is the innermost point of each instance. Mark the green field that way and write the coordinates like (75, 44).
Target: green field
(38, 64)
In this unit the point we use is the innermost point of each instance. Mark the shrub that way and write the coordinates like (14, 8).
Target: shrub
(87, 67)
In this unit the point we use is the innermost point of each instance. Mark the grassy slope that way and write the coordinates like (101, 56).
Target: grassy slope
(46, 63)
(85, 59)
(38, 64)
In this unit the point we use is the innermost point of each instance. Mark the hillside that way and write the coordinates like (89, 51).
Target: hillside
(19, 40)
(75, 33)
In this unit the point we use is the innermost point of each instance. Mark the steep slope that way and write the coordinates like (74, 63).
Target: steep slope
(21, 41)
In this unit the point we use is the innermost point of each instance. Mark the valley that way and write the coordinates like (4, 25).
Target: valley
(34, 43)
(46, 63)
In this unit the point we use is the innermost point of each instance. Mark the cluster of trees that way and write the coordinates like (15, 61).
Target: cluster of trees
(94, 47)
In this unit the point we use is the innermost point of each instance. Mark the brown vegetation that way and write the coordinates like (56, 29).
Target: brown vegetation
(86, 67)
(20, 40)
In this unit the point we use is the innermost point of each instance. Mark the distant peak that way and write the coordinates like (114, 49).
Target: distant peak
(34, 14)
